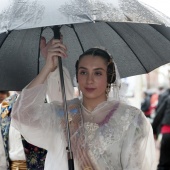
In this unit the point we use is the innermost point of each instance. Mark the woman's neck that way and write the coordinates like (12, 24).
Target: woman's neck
(90, 104)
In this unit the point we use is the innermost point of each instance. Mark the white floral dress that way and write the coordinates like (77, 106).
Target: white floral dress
(114, 136)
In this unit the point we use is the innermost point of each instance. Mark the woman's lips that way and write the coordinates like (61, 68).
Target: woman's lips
(90, 89)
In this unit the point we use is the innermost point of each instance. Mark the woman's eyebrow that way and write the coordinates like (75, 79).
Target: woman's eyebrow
(82, 68)
(99, 69)
(94, 68)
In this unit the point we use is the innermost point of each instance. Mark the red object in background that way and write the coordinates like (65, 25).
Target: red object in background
(153, 104)
(165, 129)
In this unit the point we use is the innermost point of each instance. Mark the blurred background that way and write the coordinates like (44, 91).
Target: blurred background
(154, 82)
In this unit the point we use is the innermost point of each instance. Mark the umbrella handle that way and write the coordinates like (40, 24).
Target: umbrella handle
(56, 30)
(57, 35)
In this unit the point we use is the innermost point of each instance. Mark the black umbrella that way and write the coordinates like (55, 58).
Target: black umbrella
(136, 48)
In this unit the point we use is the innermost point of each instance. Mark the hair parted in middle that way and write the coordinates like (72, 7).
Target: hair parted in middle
(111, 75)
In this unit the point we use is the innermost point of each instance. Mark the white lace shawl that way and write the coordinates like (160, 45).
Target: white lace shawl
(125, 142)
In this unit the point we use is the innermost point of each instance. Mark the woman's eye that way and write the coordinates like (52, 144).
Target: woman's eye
(98, 73)
(82, 72)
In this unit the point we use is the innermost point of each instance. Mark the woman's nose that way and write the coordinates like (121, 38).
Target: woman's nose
(90, 78)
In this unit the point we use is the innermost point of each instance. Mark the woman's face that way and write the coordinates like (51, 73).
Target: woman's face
(2, 97)
(92, 77)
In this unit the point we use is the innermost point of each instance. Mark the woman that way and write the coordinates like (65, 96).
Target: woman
(105, 135)
(161, 124)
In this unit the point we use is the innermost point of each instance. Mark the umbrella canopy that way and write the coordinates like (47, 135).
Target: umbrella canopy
(19, 53)
(17, 14)
(136, 48)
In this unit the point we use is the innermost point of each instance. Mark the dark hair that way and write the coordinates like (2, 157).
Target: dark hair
(111, 76)
(5, 92)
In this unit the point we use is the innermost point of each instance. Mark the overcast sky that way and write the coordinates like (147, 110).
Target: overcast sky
(161, 5)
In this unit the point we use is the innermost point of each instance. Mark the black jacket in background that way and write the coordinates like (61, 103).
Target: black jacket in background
(162, 112)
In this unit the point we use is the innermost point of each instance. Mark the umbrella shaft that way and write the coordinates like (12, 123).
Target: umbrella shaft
(64, 102)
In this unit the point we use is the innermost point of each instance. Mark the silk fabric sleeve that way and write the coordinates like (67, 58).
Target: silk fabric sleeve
(37, 121)
(31, 116)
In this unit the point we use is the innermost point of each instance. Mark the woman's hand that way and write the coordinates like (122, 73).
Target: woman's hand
(51, 51)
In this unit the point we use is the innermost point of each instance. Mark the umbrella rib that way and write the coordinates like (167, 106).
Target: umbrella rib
(153, 50)
(38, 65)
(77, 37)
(128, 46)
(154, 27)
(4, 39)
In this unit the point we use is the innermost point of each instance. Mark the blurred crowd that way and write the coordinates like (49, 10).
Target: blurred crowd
(156, 107)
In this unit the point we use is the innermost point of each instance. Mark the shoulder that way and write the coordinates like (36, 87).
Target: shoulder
(123, 110)
(133, 115)
(138, 121)
(138, 114)
(129, 109)
(128, 119)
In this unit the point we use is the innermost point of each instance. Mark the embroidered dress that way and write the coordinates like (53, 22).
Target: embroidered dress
(13, 143)
(114, 136)
(5, 120)
(35, 156)
(3, 165)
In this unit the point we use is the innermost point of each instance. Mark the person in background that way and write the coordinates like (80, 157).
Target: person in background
(161, 124)
(17, 152)
(149, 104)
(3, 95)
(145, 105)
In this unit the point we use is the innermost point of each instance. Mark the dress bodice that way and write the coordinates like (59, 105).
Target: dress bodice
(101, 134)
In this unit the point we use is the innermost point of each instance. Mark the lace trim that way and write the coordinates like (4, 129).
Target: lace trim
(98, 138)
